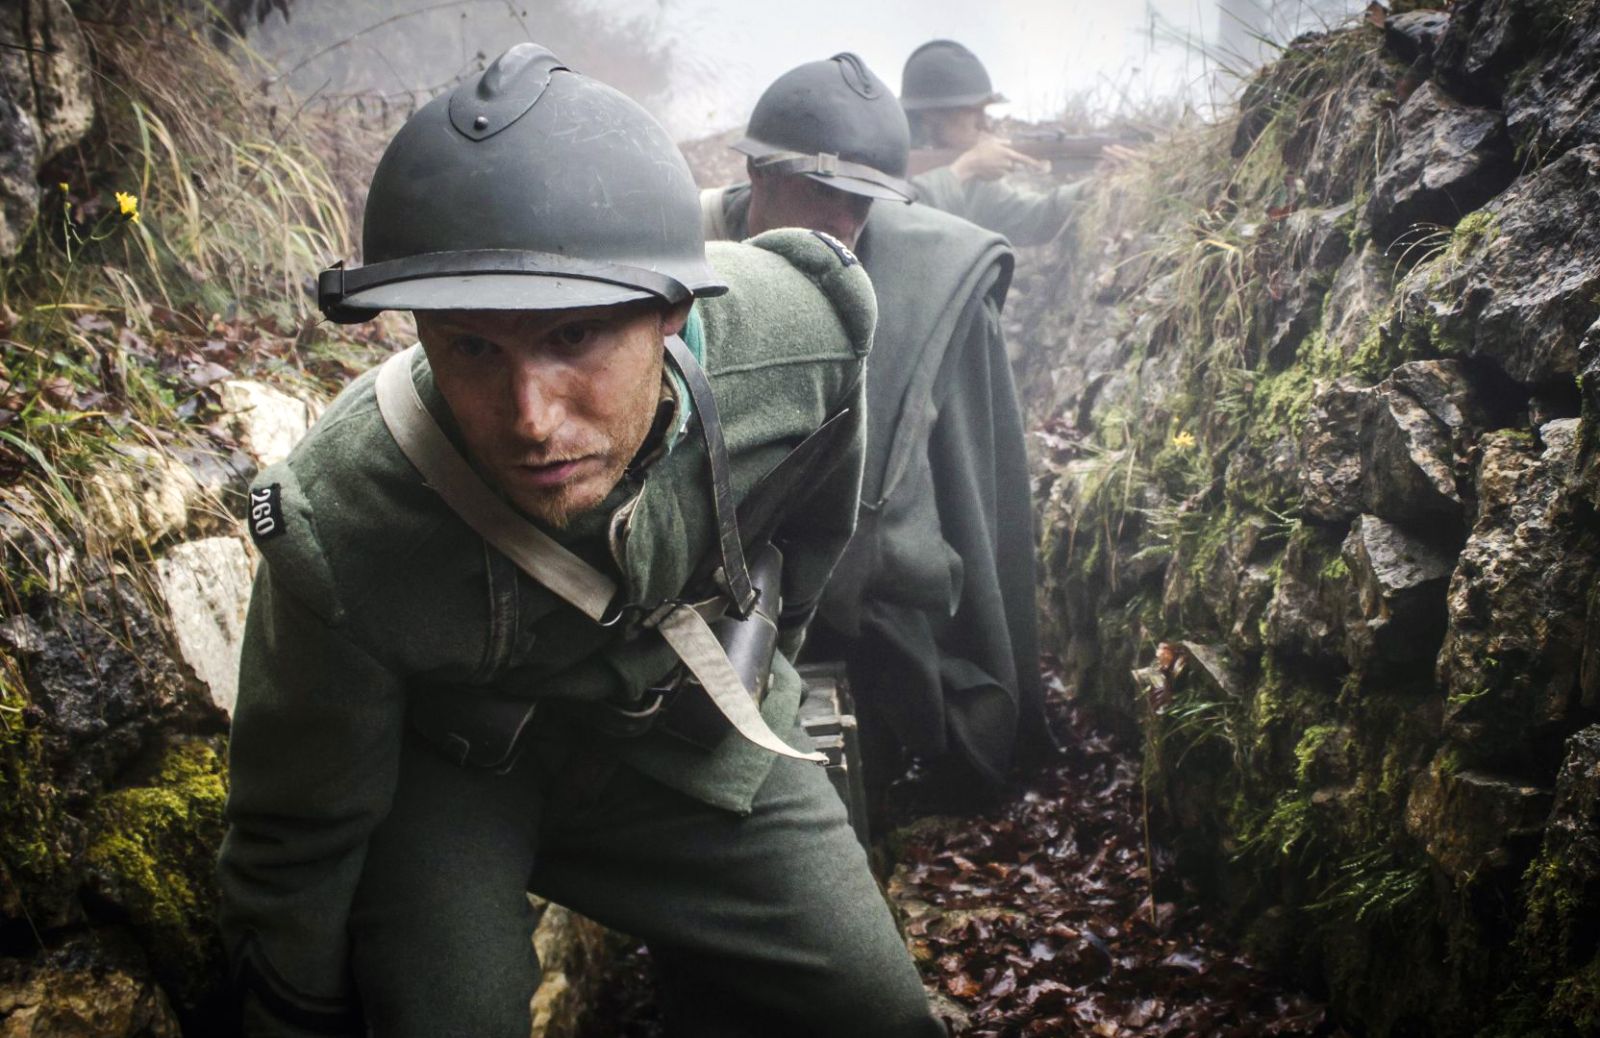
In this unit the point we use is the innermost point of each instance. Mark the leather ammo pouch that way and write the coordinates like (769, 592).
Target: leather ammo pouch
(750, 644)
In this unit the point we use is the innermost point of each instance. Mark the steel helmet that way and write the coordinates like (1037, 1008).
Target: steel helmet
(528, 187)
(944, 74)
(837, 123)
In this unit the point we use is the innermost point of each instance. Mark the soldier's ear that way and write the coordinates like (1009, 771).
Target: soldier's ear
(675, 317)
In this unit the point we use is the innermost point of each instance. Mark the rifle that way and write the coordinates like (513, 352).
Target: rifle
(1065, 152)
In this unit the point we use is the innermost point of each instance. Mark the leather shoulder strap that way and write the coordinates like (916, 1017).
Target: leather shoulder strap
(734, 577)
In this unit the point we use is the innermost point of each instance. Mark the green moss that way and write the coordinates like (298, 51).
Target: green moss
(152, 854)
(1335, 570)
(1305, 751)
(34, 846)
(1475, 231)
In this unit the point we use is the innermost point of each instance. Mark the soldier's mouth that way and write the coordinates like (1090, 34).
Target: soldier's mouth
(552, 473)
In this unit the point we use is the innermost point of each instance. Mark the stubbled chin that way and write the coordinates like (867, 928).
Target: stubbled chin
(559, 506)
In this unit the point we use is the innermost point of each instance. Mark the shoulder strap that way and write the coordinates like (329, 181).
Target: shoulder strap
(538, 555)
(734, 577)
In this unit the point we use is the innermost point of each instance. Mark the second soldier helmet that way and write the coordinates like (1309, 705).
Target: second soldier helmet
(528, 187)
(835, 122)
(944, 74)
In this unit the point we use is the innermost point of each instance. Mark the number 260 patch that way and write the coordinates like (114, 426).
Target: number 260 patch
(266, 512)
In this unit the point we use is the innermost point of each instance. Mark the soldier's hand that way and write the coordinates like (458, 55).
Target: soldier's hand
(993, 158)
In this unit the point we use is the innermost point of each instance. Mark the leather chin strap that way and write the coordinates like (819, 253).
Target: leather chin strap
(684, 627)
(827, 164)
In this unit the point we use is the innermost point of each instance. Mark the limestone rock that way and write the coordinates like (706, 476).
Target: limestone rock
(1573, 835)
(1334, 151)
(1330, 450)
(1414, 35)
(225, 477)
(1449, 160)
(44, 58)
(67, 1001)
(1216, 669)
(1558, 106)
(267, 422)
(206, 585)
(1306, 618)
(1314, 241)
(46, 104)
(1407, 464)
(19, 161)
(1360, 294)
(573, 953)
(1522, 289)
(1512, 653)
(1484, 44)
(1472, 822)
(1400, 583)
(140, 497)
(1589, 386)
(103, 681)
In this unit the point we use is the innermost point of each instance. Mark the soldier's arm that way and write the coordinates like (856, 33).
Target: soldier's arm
(313, 765)
(1025, 216)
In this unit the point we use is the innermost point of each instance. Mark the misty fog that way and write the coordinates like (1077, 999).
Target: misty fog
(699, 65)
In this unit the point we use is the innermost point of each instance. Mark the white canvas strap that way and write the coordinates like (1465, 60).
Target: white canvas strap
(540, 557)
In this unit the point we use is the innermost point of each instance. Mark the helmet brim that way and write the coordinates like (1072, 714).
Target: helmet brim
(928, 104)
(493, 292)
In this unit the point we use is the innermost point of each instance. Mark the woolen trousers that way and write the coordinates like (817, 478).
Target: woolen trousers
(767, 925)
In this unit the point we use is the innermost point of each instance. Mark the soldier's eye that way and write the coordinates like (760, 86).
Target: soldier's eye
(473, 346)
(574, 335)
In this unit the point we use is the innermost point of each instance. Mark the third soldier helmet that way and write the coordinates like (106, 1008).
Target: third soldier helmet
(528, 187)
(837, 123)
(944, 74)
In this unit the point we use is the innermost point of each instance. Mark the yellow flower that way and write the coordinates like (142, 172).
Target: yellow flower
(129, 204)
(64, 186)
(1183, 441)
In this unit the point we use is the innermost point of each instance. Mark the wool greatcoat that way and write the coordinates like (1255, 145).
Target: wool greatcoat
(368, 882)
(933, 604)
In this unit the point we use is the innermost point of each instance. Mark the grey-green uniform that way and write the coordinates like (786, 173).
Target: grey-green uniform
(364, 872)
(1025, 216)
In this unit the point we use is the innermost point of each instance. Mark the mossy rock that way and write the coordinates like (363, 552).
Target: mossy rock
(151, 859)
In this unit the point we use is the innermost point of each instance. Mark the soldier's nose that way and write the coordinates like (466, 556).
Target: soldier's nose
(537, 406)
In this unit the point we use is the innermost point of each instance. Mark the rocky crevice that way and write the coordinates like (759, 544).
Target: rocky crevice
(1314, 397)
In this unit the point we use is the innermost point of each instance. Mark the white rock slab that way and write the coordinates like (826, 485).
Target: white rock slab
(206, 585)
(140, 497)
(267, 422)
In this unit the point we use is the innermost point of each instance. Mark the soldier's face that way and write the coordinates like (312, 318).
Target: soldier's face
(553, 404)
(799, 201)
(959, 128)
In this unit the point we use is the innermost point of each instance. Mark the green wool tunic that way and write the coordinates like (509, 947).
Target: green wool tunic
(371, 589)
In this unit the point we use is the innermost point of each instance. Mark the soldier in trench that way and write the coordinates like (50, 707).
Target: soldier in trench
(932, 607)
(946, 92)
(521, 589)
